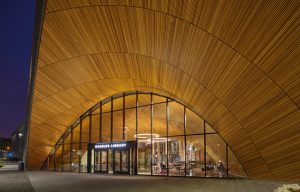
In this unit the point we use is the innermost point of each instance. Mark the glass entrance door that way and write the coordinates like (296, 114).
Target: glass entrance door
(121, 161)
(101, 162)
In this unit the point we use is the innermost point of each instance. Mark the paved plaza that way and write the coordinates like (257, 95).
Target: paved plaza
(11, 181)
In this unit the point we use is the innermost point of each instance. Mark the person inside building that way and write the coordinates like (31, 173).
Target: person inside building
(221, 168)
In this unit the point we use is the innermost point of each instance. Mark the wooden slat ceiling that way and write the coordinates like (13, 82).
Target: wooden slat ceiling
(236, 63)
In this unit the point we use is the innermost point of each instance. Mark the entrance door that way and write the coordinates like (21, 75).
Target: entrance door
(101, 162)
(121, 161)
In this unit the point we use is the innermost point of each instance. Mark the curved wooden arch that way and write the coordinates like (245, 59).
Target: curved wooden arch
(232, 62)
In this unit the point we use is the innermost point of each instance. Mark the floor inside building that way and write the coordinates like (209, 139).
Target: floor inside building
(38, 181)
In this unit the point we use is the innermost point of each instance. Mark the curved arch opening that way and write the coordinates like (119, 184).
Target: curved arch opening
(167, 139)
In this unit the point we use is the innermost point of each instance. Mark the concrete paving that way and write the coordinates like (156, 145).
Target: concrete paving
(73, 182)
(14, 181)
(55, 181)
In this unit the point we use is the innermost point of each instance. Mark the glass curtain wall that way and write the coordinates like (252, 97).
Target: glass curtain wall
(171, 139)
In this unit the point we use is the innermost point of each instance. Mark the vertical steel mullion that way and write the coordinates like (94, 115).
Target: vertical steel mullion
(100, 126)
(54, 159)
(100, 153)
(124, 117)
(227, 168)
(205, 174)
(121, 161)
(71, 149)
(95, 161)
(167, 121)
(111, 119)
(80, 139)
(184, 125)
(62, 155)
(151, 128)
(90, 126)
(136, 131)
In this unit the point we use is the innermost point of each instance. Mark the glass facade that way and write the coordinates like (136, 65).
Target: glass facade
(170, 140)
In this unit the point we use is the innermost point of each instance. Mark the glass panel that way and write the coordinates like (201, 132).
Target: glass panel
(58, 157)
(75, 157)
(195, 156)
(117, 161)
(76, 134)
(83, 154)
(176, 150)
(208, 128)
(97, 161)
(104, 160)
(159, 128)
(158, 99)
(159, 156)
(85, 129)
(118, 103)
(125, 162)
(194, 123)
(51, 163)
(130, 124)
(130, 101)
(144, 99)
(235, 169)
(215, 156)
(96, 110)
(106, 107)
(118, 125)
(106, 126)
(95, 134)
(66, 156)
(144, 140)
(68, 137)
(176, 119)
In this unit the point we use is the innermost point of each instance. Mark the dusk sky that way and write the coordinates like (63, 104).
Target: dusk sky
(16, 27)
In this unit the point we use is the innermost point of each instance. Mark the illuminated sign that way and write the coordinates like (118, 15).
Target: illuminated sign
(109, 145)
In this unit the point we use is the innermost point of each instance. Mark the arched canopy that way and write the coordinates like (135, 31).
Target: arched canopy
(235, 63)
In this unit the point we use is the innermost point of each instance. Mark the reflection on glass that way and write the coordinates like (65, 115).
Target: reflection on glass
(159, 128)
(67, 152)
(118, 125)
(58, 157)
(130, 101)
(208, 128)
(195, 156)
(194, 123)
(95, 130)
(76, 134)
(75, 158)
(215, 156)
(106, 127)
(130, 124)
(85, 127)
(176, 119)
(83, 154)
(118, 103)
(176, 149)
(144, 99)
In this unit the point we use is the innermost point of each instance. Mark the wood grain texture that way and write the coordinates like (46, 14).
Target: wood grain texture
(235, 63)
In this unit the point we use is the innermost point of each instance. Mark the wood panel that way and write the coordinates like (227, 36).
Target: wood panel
(233, 62)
